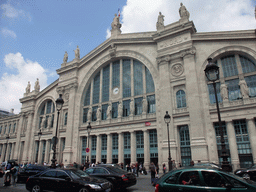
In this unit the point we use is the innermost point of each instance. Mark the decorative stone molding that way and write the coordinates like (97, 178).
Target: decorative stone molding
(163, 60)
(112, 51)
(191, 51)
(60, 90)
(177, 69)
(173, 41)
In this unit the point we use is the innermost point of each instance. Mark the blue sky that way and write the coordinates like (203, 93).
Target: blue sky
(34, 34)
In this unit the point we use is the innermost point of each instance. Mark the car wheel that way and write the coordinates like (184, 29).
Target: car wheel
(246, 176)
(36, 188)
(83, 190)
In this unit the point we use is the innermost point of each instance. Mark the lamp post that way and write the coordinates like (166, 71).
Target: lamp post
(39, 136)
(59, 104)
(89, 127)
(7, 139)
(167, 119)
(212, 74)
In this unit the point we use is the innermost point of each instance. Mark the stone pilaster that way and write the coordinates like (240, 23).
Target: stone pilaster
(47, 151)
(17, 149)
(109, 148)
(121, 148)
(252, 137)
(40, 152)
(146, 149)
(98, 150)
(133, 147)
(3, 152)
(232, 145)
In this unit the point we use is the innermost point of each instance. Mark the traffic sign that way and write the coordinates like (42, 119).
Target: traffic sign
(87, 150)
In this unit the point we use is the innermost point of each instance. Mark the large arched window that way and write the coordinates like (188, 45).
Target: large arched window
(234, 69)
(46, 114)
(125, 80)
(181, 99)
(1, 129)
(185, 149)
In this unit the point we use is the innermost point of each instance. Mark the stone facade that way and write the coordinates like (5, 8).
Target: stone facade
(176, 57)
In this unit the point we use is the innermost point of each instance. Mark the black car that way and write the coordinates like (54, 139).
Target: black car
(24, 173)
(249, 173)
(119, 178)
(70, 180)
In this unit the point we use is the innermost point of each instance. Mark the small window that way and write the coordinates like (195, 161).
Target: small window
(213, 179)
(89, 171)
(173, 178)
(100, 171)
(62, 175)
(190, 177)
(235, 182)
(49, 174)
(181, 99)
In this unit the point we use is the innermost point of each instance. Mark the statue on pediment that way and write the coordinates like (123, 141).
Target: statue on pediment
(144, 105)
(132, 107)
(89, 114)
(65, 59)
(37, 86)
(184, 14)
(224, 91)
(77, 53)
(244, 89)
(98, 113)
(120, 109)
(109, 110)
(160, 21)
(28, 87)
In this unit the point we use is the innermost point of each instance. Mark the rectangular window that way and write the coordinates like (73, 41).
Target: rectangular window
(212, 93)
(153, 138)
(115, 141)
(37, 150)
(126, 108)
(139, 140)
(96, 88)
(138, 106)
(105, 84)
(104, 142)
(127, 141)
(233, 89)
(251, 83)
(87, 96)
(229, 66)
(116, 74)
(85, 111)
(151, 104)
(104, 111)
(185, 149)
(49, 107)
(84, 143)
(138, 78)
(114, 110)
(94, 143)
(43, 152)
(150, 88)
(126, 78)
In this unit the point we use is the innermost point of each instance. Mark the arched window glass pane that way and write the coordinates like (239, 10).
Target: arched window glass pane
(42, 110)
(149, 82)
(94, 113)
(126, 78)
(96, 88)
(105, 84)
(212, 94)
(104, 142)
(49, 107)
(229, 66)
(85, 111)
(138, 78)
(104, 112)
(151, 104)
(10, 126)
(87, 96)
(138, 106)
(251, 83)
(14, 127)
(247, 65)
(116, 74)
(1, 129)
(185, 145)
(233, 89)
(181, 99)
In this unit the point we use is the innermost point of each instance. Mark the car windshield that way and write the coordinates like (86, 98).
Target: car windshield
(78, 174)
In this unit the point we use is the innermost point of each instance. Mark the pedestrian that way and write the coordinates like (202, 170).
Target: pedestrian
(174, 165)
(8, 175)
(180, 165)
(192, 163)
(164, 168)
(14, 172)
(137, 169)
(152, 168)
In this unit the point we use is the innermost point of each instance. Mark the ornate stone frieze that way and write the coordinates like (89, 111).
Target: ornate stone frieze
(60, 90)
(173, 41)
(177, 69)
(191, 51)
(164, 59)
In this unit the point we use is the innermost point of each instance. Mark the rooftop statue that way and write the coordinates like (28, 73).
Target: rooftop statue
(28, 87)
(77, 53)
(65, 59)
(37, 86)
(184, 14)
(160, 21)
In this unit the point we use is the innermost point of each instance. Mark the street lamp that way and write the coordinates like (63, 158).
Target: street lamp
(167, 119)
(59, 104)
(212, 74)
(39, 136)
(7, 139)
(89, 127)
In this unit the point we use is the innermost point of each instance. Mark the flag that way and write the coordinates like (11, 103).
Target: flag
(118, 12)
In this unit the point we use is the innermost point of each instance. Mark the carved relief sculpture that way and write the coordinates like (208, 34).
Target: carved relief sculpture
(49, 121)
(28, 87)
(98, 113)
(116, 23)
(109, 110)
(224, 92)
(244, 89)
(77, 53)
(120, 109)
(65, 59)
(43, 122)
(37, 86)
(184, 14)
(132, 107)
(160, 21)
(89, 114)
(144, 105)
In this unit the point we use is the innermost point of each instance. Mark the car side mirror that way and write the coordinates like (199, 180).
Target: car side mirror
(67, 179)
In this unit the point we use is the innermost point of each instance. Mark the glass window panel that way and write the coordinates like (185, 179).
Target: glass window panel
(138, 78)
(85, 111)
(104, 142)
(104, 112)
(151, 104)
(94, 143)
(96, 88)
(149, 81)
(251, 83)
(181, 99)
(153, 138)
(126, 108)
(87, 96)
(185, 145)
(1, 129)
(127, 141)
(94, 113)
(126, 78)
(233, 89)
(247, 65)
(10, 126)
(49, 107)
(116, 74)
(138, 106)
(105, 84)
(139, 140)
(42, 110)
(14, 127)
(229, 66)
(114, 110)
(115, 141)
(212, 94)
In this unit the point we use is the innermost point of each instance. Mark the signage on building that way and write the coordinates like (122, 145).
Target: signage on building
(147, 123)
(87, 150)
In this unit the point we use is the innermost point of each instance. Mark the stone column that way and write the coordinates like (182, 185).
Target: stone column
(199, 147)
(7, 152)
(18, 146)
(98, 150)
(3, 152)
(146, 149)
(109, 148)
(133, 147)
(47, 151)
(252, 137)
(232, 145)
(29, 138)
(13, 148)
(120, 148)
(90, 147)
(40, 152)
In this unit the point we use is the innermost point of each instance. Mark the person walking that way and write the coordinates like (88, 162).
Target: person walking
(152, 168)
(14, 172)
(164, 168)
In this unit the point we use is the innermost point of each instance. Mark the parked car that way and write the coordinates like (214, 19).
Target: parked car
(24, 173)
(249, 173)
(66, 180)
(119, 178)
(203, 179)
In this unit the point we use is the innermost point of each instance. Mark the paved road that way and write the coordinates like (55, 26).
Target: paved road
(143, 185)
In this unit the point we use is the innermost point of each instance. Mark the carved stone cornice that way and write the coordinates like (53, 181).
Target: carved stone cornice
(163, 59)
(190, 51)
(112, 51)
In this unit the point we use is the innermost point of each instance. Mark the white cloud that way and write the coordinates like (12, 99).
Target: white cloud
(11, 12)
(212, 15)
(13, 85)
(8, 33)
(108, 33)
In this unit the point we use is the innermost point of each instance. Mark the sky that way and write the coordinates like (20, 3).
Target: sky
(34, 34)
